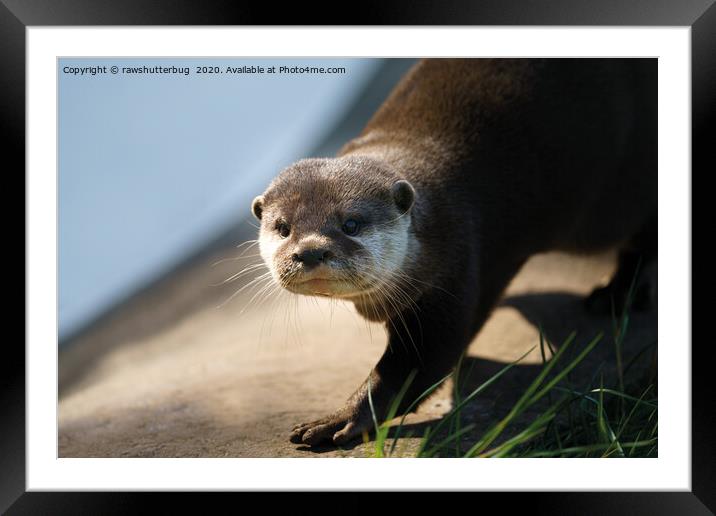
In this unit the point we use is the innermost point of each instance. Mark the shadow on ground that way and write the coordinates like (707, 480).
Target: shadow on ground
(557, 314)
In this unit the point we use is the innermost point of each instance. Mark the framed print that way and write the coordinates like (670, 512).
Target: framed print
(223, 224)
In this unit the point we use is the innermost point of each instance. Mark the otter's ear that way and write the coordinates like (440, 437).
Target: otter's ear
(403, 195)
(257, 206)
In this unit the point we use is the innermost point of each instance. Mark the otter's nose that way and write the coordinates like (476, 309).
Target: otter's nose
(312, 257)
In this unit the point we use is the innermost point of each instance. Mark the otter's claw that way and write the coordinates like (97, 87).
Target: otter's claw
(337, 428)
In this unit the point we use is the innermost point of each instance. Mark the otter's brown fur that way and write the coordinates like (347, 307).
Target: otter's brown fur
(506, 158)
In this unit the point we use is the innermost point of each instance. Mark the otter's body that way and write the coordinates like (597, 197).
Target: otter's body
(484, 163)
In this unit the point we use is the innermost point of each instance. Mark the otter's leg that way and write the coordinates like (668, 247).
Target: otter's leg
(430, 345)
(429, 340)
(636, 265)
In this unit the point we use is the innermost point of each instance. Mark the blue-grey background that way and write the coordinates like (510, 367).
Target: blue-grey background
(153, 167)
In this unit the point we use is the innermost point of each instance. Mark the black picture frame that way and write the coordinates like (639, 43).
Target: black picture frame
(700, 15)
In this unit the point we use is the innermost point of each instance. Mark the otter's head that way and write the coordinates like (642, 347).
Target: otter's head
(335, 227)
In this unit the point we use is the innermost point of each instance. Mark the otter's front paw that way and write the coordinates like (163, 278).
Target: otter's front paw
(339, 428)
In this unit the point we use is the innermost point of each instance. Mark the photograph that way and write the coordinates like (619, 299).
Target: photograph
(268, 253)
(358, 257)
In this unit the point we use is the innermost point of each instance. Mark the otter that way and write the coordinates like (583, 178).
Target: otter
(469, 167)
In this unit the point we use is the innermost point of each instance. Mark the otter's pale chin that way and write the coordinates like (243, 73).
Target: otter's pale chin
(323, 287)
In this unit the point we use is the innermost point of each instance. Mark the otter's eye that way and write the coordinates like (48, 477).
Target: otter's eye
(283, 229)
(350, 227)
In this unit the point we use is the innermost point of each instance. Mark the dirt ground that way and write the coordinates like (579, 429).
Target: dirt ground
(183, 371)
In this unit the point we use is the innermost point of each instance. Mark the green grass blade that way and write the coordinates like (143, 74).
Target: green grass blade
(538, 426)
(554, 381)
(450, 438)
(420, 398)
(477, 391)
(378, 442)
(382, 432)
